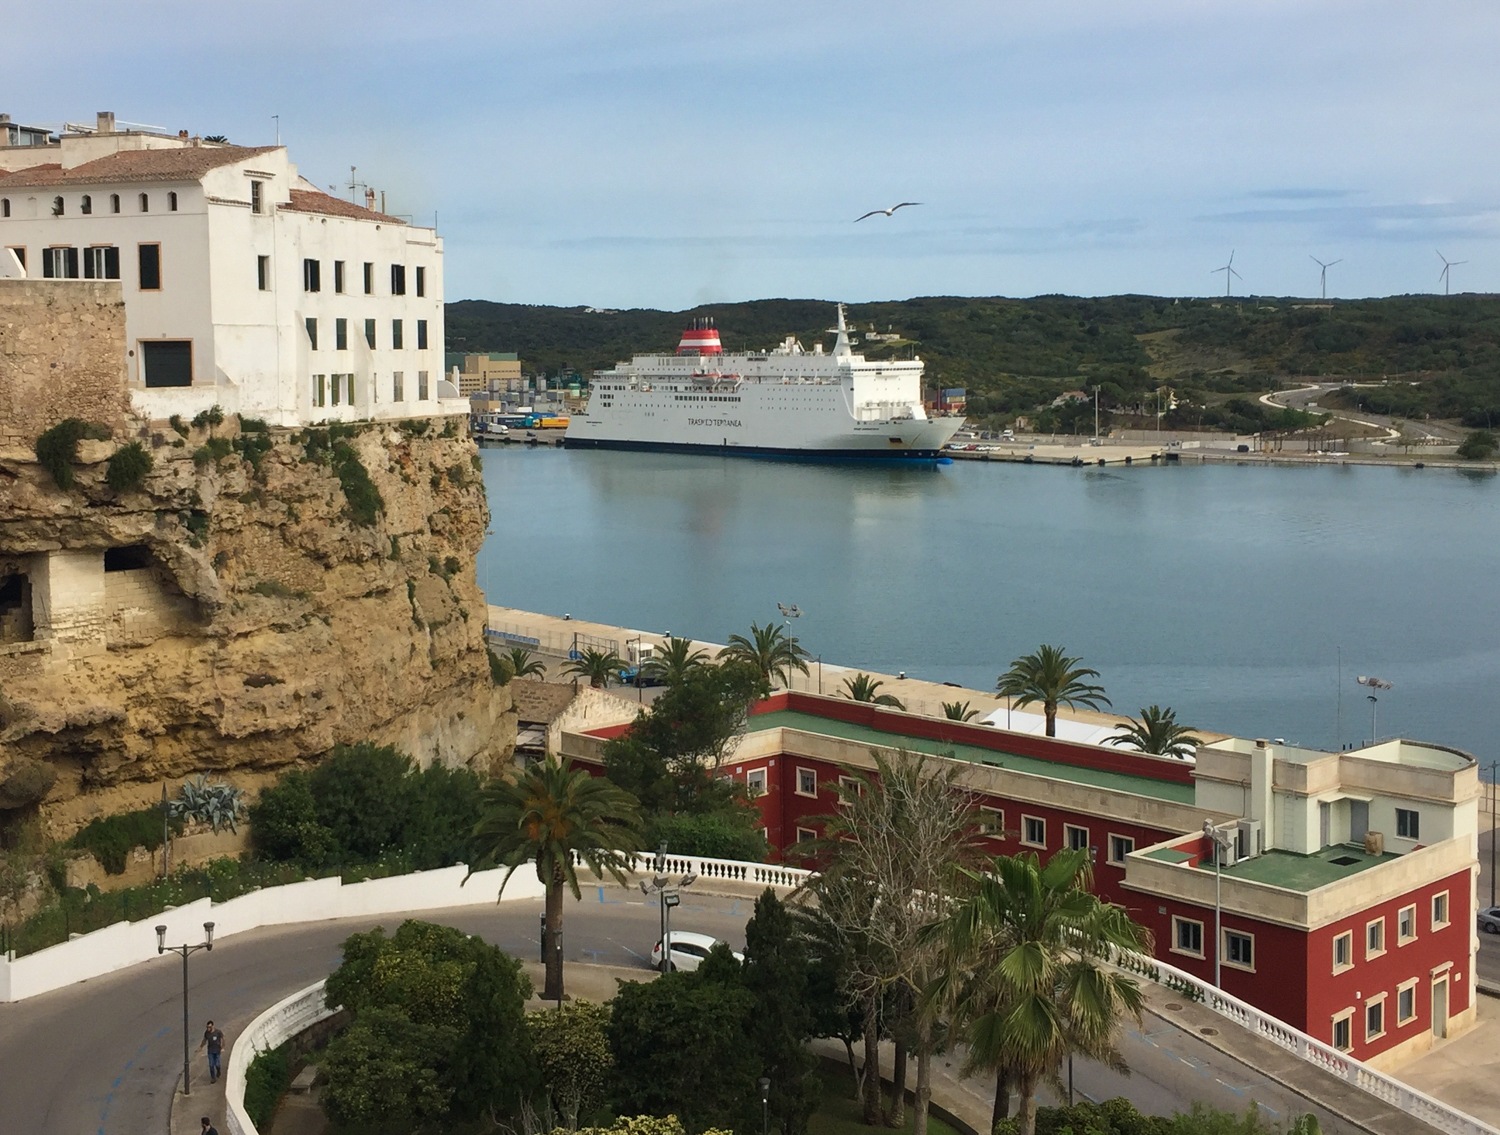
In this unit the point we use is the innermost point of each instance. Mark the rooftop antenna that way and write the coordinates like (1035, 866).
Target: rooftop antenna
(1229, 272)
(276, 118)
(355, 185)
(1323, 275)
(1447, 264)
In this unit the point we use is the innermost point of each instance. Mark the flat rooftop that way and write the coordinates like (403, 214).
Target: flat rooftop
(997, 757)
(1287, 870)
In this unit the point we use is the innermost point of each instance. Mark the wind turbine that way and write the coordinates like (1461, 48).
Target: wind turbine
(1323, 275)
(1447, 264)
(1229, 272)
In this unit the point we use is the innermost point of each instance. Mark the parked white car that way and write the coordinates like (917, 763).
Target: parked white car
(689, 949)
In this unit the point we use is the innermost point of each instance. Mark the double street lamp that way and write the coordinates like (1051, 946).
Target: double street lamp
(185, 950)
(669, 897)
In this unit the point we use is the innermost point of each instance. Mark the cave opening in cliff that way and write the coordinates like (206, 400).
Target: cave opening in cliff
(133, 557)
(15, 608)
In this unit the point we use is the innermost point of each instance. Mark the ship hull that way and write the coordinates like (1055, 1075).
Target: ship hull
(762, 451)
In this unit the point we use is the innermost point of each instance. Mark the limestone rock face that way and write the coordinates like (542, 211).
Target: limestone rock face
(232, 614)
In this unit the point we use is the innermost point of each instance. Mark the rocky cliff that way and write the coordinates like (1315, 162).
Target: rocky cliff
(255, 598)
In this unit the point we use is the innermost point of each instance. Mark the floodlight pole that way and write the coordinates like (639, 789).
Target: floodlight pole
(185, 950)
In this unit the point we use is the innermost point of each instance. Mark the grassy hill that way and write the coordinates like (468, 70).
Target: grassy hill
(1440, 354)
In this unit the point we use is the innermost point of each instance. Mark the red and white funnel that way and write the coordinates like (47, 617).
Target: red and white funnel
(700, 338)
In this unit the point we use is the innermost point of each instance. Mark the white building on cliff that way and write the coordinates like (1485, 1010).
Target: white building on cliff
(244, 285)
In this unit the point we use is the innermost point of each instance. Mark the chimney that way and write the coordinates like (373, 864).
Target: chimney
(104, 122)
(369, 198)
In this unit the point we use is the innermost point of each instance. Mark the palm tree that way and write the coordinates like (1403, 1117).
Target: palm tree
(598, 666)
(1157, 732)
(674, 661)
(1051, 677)
(1027, 973)
(524, 664)
(959, 711)
(769, 650)
(862, 687)
(557, 816)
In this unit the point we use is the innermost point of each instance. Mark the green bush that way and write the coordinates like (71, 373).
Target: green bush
(267, 1078)
(364, 499)
(176, 422)
(111, 838)
(210, 417)
(733, 833)
(1478, 446)
(57, 448)
(500, 670)
(253, 425)
(253, 447)
(128, 467)
(415, 427)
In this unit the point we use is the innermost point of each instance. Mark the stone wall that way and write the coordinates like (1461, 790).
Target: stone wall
(62, 355)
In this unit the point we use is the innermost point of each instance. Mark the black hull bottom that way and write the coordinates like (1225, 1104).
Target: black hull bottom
(819, 455)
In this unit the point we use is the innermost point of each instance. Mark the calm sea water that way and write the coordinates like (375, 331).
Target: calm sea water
(1229, 593)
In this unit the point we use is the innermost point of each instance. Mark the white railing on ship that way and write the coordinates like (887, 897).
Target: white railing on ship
(1431, 1111)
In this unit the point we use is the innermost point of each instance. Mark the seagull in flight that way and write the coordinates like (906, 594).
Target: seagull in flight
(887, 212)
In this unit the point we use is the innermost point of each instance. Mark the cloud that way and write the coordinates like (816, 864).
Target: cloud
(1305, 194)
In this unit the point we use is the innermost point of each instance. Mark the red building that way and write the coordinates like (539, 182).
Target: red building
(1343, 892)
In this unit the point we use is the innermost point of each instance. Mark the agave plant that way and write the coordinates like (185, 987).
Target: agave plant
(959, 711)
(218, 805)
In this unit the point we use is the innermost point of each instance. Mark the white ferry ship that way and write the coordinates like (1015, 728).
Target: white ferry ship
(786, 402)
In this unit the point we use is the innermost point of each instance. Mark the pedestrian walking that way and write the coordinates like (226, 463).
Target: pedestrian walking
(213, 1040)
(209, 1128)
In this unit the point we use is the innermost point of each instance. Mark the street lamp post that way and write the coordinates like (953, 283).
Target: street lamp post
(668, 897)
(764, 1084)
(789, 613)
(1221, 841)
(1374, 705)
(185, 950)
(1374, 684)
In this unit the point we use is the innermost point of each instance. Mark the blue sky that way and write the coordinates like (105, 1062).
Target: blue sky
(661, 153)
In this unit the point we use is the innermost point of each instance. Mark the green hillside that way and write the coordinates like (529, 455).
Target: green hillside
(1438, 355)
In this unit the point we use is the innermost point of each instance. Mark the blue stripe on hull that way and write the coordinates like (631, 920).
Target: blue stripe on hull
(927, 455)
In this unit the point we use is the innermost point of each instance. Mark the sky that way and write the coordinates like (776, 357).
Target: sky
(666, 153)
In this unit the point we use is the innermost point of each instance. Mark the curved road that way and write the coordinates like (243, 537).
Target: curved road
(104, 1057)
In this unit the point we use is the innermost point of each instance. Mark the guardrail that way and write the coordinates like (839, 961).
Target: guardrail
(274, 1027)
(1431, 1111)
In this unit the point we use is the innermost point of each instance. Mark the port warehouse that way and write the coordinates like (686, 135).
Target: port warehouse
(1346, 890)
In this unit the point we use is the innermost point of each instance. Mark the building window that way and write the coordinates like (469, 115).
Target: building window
(86, 205)
(312, 332)
(59, 263)
(806, 835)
(1075, 837)
(333, 392)
(398, 279)
(1406, 925)
(807, 782)
(319, 394)
(338, 276)
(20, 252)
(1119, 847)
(991, 822)
(4, 206)
(1440, 910)
(149, 264)
(263, 273)
(1239, 949)
(1374, 938)
(171, 202)
(144, 201)
(1187, 937)
(57, 206)
(1406, 1002)
(397, 339)
(340, 334)
(755, 782)
(850, 787)
(101, 262)
(312, 276)
(1343, 1039)
(1375, 1018)
(421, 281)
(257, 196)
(167, 363)
(1408, 823)
(114, 202)
(1343, 951)
(1033, 831)
(369, 278)
(398, 387)
(421, 334)
(370, 333)
(422, 386)
(349, 388)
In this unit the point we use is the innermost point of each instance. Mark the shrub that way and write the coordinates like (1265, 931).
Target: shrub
(197, 526)
(1478, 446)
(415, 427)
(253, 447)
(210, 417)
(274, 589)
(213, 450)
(451, 565)
(57, 448)
(253, 425)
(176, 422)
(267, 1078)
(365, 501)
(110, 838)
(572, 1052)
(284, 823)
(729, 834)
(500, 671)
(128, 467)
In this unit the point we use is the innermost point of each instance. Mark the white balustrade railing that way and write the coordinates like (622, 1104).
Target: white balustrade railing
(723, 870)
(277, 1025)
(1431, 1111)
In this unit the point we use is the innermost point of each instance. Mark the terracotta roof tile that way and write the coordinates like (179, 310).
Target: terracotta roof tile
(316, 201)
(177, 163)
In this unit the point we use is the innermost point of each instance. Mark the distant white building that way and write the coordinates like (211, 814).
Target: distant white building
(244, 284)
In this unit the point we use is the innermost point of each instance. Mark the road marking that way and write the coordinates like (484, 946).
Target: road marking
(1233, 1088)
(109, 1097)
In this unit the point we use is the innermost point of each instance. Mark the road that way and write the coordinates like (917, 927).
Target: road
(1300, 397)
(105, 1056)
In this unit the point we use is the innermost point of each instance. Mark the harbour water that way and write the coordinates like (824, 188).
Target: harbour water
(1247, 598)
